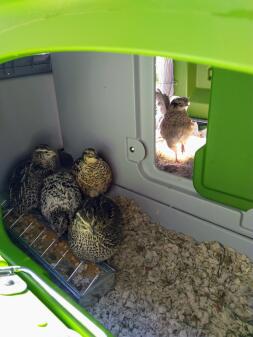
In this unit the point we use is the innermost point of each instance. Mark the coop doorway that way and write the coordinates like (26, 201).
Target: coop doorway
(181, 114)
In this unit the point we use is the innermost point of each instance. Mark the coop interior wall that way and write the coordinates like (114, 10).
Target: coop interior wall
(103, 100)
(106, 99)
(28, 116)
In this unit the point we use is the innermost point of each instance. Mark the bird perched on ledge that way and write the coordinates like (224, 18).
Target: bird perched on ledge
(92, 173)
(27, 179)
(176, 126)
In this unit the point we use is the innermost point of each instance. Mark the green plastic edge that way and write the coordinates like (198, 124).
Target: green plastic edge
(15, 256)
(218, 33)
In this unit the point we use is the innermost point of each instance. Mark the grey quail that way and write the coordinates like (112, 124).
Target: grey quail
(60, 199)
(27, 179)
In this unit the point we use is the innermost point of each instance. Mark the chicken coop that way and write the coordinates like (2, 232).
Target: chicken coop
(79, 74)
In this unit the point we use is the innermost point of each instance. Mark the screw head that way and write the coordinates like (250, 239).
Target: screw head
(131, 149)
(9, 283)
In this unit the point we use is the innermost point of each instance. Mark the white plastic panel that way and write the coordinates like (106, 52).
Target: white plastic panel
(247, 220)
(41, 323)
(28, 116)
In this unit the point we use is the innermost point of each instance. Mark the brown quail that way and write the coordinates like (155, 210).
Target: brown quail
(95, 231)
(92, 173)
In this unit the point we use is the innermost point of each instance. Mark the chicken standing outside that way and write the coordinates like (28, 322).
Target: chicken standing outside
(176, 126)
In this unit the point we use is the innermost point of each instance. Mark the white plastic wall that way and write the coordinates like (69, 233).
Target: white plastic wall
(28, 116)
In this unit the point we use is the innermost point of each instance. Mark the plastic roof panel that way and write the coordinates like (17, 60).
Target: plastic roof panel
(211, 32)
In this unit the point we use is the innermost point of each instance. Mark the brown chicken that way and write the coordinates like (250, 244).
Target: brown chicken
(176, 126)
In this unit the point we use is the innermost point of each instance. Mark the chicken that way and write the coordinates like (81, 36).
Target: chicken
(60, 199)
(92, 173)
(96, 229)
(27, 179)
(162, 105)
(176, 126)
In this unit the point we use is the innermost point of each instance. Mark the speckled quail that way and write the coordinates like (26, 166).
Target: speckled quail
(96, 229)
(27, 179)
(176, 126)
(60, 199)
(93, 174)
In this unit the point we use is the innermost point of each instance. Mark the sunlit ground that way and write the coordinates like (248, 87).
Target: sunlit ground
(165, 157)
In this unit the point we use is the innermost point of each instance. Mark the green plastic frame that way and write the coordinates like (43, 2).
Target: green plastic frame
(217, 33)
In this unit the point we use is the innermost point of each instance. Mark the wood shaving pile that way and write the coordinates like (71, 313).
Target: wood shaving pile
(169, 285)
(182, 169)
(165, 157)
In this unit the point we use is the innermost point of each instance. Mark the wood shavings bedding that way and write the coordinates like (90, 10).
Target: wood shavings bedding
(169, 285)
(165, 157)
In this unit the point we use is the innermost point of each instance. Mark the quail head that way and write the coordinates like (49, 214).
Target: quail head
(60, 199)
(27, 179)
(96, 230)
(180, 104)
(45, 157)
(92, 173)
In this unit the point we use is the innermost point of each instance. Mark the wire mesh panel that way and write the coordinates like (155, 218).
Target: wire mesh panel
(26, 66)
